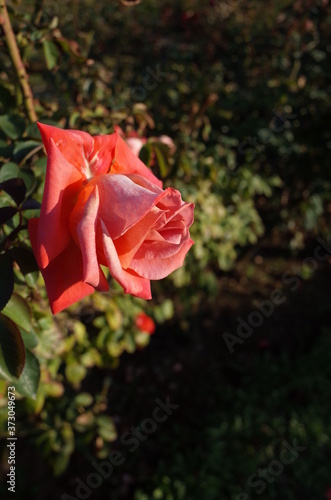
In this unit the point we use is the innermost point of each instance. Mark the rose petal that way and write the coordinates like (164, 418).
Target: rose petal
(126, 162)
(135, 144)
(86, 232)
(76, 146)
(128, 244)
(131, 283)
(123, 203)
(101, 158)
(170, 199)
(149, 264)
(91, 156)
(172, 235)
(145, 183)
(62, 183)
(63, 276)
(160, 248)
(185, 213)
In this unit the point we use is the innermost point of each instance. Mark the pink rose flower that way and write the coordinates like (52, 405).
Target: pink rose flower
(103, 207)
(133, 139)
(135, 144)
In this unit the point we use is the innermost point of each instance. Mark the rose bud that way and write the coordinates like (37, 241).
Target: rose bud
(145, 323)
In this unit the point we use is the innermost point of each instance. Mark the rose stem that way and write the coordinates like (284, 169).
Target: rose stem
(17, 61)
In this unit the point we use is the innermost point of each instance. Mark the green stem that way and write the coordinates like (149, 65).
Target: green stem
(17, 61)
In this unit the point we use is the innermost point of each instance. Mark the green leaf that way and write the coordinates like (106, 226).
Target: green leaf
(6, 279)
(32, 131)
(75, 372)
(27, 384)
(145, 154)
(27, 264)
(17, 309)
(71, 47)
(51, 54)
(83, 399)
(106, 428)
(23, 148)
(162, 162)
(12, 351)
(31, 340)
(5, 149)
(7, 213)
(31, 204)
(9, 171)
(31, 213)
(15, 188)
(167, 308)
(29, 179)
(12, 125)
(130, 344)
(67, 440)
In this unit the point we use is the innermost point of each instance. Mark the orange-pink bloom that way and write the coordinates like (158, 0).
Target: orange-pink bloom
(103, 207)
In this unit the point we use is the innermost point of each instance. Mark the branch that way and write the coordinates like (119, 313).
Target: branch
(17, 61)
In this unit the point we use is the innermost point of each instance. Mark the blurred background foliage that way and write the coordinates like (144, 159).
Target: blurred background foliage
(242, 89)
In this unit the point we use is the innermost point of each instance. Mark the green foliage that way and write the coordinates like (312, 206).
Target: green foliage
(243, 428)
(242, 89)
(7, 279)
(12, 351)
(13, 126)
